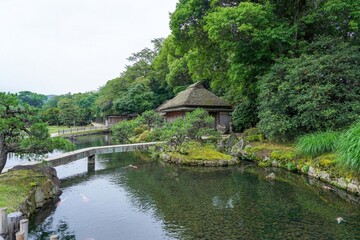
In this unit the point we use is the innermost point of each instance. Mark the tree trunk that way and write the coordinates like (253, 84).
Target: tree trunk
(3, 153)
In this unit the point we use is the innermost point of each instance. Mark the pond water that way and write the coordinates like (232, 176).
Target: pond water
(131, 197)
(80, 142)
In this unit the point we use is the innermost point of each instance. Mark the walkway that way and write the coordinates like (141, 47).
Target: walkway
(89, 153)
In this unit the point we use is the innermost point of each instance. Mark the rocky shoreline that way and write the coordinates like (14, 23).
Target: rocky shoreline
(240, 149)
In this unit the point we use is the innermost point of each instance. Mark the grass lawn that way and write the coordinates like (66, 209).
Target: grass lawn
(55, 129)
(15, 186)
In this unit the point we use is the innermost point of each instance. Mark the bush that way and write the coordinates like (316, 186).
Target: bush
(124, 130)
(245, 116)
(316, 144)
(348, 148)
(195, 125)
(291, 167)
(317, 91)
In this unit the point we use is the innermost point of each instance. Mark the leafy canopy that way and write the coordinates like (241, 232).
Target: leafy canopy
(22, 132)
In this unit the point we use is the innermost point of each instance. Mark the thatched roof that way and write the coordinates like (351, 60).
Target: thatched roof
(195, 96)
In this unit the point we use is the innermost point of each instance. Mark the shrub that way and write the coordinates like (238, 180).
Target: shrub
(151, 119)
(316, 144)
(291, 167)
(244, 116)
(124, 130)
(314, 92)
(348, 148)
(195, 125)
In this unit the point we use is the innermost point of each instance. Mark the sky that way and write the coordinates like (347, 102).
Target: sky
(62, 46)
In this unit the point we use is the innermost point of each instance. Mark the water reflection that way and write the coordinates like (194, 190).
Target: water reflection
(159, 201)
(80, 142)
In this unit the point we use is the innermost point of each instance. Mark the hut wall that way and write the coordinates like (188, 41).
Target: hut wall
(171, 116)
(224, 119)
(112, 120)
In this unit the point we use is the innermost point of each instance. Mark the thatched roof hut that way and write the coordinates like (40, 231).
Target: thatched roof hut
(196, 96)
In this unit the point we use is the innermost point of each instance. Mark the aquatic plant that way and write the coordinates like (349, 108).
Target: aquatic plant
(315, 144)
(348, 148)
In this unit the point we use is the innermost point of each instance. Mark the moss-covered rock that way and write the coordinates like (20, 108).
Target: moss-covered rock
(197, 154)
(25, 190)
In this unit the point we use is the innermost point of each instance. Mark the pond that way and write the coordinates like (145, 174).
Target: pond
(80, 142)
(131, 197)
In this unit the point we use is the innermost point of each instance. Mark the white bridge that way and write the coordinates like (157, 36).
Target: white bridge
(89, 152)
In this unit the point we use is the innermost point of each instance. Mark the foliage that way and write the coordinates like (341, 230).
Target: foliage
(68, 112)
(348, 148)
(314, 92)
(33, 99)
(152, 119)
(244, 116)
(137, 99)
(124, 130)
(316, 144)
(22, 132)
(70, 109)
(193, 126)
(51, 116)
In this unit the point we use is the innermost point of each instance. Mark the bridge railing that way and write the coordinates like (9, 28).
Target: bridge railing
(81, 129)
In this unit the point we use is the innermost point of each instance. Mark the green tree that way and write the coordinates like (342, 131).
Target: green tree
(51, 116)
(69, 112)
(33, 99)
(316, 92)
(137, 99)
(22, 132)
(124, 130)
(194, 126)
(152, 119)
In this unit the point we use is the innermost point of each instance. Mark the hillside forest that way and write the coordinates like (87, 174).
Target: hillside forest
(288, 67)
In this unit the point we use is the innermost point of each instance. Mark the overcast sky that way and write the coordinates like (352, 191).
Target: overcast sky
(61, 46)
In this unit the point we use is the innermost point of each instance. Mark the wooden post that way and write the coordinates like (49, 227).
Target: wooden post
(13, 224)
(20, 235)
(24, 227)
(54, 237)
(3, 221)
(91, 163)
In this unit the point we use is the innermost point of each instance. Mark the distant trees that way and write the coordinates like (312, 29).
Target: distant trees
(139, 88)
(33, 99)
(70, 109)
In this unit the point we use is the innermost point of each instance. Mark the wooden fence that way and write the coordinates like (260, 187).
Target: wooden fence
(14, 227)
(80, 129)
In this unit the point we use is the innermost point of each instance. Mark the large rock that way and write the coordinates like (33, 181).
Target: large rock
(313, 173)
(341, 182)
(237, 149)
(222, 129)
(230, 141)
(40, 197)
(324, 176)
(271, 177)
(353, 188)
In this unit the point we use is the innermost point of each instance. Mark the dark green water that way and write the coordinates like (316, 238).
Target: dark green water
(157, 201)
